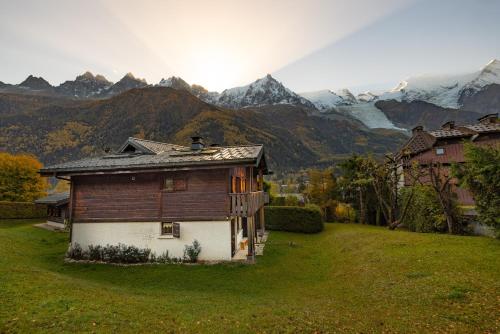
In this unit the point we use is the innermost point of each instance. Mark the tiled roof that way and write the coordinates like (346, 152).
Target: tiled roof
(151, 146)
(466, 130)
(57, 198)
(484, 128)
(448, 133)
(419, 142)
(162, 155)
(424, 140)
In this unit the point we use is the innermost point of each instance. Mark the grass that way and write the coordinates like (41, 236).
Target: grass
(349, 278)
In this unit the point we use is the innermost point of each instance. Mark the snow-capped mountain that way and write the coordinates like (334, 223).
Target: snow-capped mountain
(326, 99)
(174, 82)
(444, 91)
(197, 90)
(347, 96)
(366, 97)
(264, 91)
(84, 86)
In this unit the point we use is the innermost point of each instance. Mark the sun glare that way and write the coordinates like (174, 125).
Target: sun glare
(215, 68)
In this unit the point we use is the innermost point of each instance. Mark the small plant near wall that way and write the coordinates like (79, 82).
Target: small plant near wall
(191, 252)
(76, 252)
(124, 254)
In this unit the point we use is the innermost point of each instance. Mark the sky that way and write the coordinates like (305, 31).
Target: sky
(308, 45)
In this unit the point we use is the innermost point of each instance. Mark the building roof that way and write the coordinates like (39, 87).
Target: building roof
(466, 130)
(145, 154)
(424, 140)
(54, 199)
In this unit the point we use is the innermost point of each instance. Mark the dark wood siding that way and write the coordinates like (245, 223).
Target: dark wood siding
(117, 197)
(206, 196)
(140, 197)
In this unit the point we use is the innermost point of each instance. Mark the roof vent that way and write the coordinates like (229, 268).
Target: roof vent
(197, 143)
(417, 129)
(450, 125)
(487, 119)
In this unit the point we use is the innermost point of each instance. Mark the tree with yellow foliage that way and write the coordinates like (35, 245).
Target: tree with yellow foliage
(19, 178)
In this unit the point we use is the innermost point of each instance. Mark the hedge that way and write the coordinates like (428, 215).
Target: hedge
(293, 219)
(18, 210)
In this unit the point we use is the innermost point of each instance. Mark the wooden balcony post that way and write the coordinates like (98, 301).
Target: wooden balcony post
(261, 210)
(251, 239)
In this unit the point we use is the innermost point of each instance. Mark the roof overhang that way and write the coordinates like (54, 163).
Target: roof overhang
(148, 168)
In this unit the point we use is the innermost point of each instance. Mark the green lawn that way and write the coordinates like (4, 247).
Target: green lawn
(349, 278)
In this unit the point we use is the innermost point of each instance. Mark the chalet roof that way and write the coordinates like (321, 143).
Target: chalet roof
(55, 199)
(149, 146)
(419, 142)
(466, 130)
(150, 155)
(424, 140)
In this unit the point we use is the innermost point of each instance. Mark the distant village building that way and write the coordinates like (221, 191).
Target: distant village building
(163, 196)
(57, 208)
(446, 146)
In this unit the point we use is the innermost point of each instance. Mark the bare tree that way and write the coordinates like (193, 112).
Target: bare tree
(441, 182)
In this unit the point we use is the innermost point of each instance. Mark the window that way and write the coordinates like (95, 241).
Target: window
(439, 151)
(169, 184)
(177, 184)
(167, 228)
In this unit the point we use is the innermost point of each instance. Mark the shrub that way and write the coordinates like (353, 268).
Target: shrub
(345, 213)
(130, 254)
(293, 219)
(191, 252)
(328, 210)
(75, 252)
(22, 210)
(96, 253)
(424, 212)
(277, 201)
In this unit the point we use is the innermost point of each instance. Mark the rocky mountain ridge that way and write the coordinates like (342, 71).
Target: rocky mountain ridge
(57, 130)
(473, 93)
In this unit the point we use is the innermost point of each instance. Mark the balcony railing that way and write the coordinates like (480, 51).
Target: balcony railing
(246, 204)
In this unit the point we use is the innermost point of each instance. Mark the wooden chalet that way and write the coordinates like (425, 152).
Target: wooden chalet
(163, 196)
(446, 146)
(57, 208)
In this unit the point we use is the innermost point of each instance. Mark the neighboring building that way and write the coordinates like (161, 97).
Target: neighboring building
(57, 208)
(163, 196)
(445, 146)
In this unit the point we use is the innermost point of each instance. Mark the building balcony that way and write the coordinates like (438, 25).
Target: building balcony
(246, 204)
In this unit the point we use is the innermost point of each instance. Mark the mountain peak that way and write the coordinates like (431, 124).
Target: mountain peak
(494, 62)
(346, 95)
(130, 77)
(87, 75)
(35, 83)
(263, 91)
(492, 67)
(175, 82)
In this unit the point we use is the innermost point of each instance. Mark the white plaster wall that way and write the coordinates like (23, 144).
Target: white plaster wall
(214, 237)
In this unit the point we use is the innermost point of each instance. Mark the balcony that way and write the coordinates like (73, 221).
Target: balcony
(246, 204)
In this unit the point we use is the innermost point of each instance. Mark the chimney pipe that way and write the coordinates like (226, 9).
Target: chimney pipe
(488, 119)
(197, 143)
(417, 129)
(448, 125)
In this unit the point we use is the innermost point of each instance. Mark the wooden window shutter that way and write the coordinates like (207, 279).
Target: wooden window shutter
(180, 184)
(176, 230)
